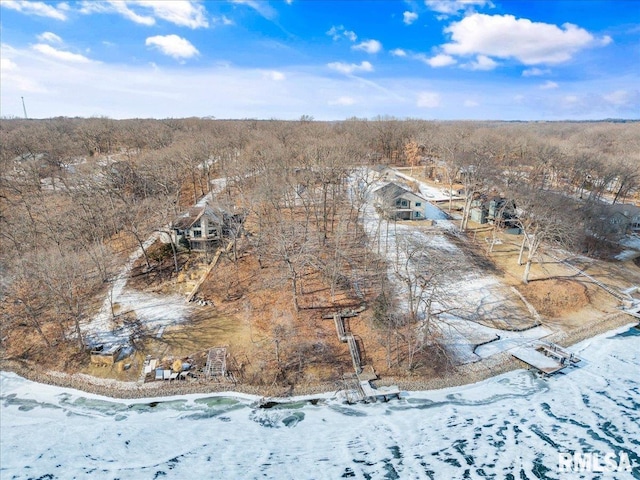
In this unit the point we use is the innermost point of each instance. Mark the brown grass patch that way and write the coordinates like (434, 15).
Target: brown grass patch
(556, 297)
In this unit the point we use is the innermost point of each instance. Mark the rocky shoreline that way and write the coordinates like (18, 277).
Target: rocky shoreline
(462, 375)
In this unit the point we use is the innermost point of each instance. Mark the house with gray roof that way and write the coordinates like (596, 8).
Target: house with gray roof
(200, 227)
(399, 203)
(622, 218)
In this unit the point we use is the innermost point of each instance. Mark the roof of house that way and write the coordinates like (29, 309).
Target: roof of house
(392, 190)
(191, 216)
(627, 209)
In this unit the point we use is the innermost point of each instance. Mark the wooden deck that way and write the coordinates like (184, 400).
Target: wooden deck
(547, 358)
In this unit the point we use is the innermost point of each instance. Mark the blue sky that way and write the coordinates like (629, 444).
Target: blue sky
(430, 59)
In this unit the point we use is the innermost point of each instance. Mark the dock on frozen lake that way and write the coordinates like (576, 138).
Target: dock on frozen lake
(357, 390)
(547, 358)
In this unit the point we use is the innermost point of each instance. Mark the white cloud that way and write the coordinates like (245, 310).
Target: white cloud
(535, 72)
(409, 17)
(342, 101)
(337, 32)
(183, 13)
(471, 103)
(119, 7)
(623, 98)
(118, 90)
(275, 75)
(11, 76)
(437, 61)
(334, 32)
(172, 45)
(398, 52)
(49, 37)
(482, 62)
(263, 8)
(349, 68)
(451, 7)
(351, 35)
(224, 20)
(369, 46)
(65, 56)
(7, 65)
(40, 9)
(428, 100)
(504, 36)
(549, 85)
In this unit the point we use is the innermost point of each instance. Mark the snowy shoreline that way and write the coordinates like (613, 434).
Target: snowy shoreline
(513, 425)
(463, 375)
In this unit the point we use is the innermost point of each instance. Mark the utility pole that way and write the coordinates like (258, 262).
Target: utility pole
(24, 109)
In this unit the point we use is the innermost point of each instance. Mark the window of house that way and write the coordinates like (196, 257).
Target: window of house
(418, 215)
(418, 204)
(404, 203)
(196, 233)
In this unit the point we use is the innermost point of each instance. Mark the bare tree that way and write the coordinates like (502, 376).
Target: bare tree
(543, 216)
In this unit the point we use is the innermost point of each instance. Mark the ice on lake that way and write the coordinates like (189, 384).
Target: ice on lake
(510, 426)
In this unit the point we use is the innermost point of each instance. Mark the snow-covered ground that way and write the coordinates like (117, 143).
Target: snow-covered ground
(513, 426)
(154, 311)
(632, 244)
(100, 328)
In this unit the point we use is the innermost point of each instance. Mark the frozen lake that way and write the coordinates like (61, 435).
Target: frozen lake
(507, 427)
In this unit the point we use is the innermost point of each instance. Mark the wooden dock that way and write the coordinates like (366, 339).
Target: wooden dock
(357, 386)
(356, 390)
(547, 358)
(371, 394)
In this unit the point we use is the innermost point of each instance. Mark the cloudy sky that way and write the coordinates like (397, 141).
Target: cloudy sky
(431, 59)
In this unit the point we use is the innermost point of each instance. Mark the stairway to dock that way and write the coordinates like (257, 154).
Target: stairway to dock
(357, 387)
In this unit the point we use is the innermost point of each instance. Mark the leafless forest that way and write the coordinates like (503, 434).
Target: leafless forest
(78, 195)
